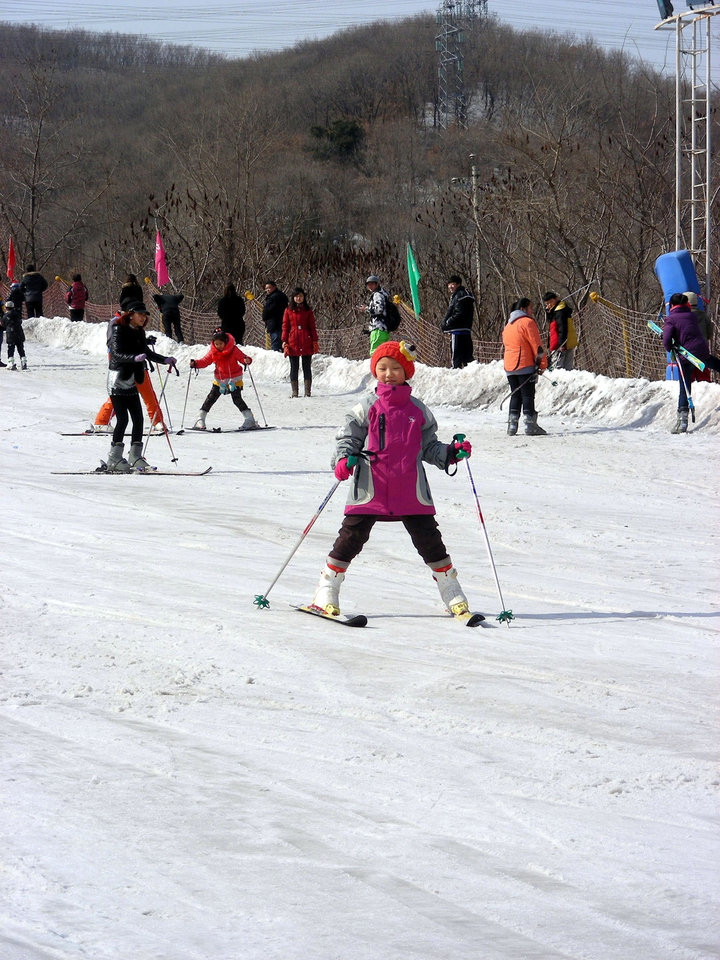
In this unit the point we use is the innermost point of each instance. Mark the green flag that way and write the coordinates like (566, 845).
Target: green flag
(414, 277)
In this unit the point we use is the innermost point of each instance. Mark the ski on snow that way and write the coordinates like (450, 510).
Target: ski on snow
(221, 430)
(360, 620)
(100, 471)
(472, 619)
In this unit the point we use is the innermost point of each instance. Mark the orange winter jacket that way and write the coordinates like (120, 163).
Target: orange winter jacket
(521, 339)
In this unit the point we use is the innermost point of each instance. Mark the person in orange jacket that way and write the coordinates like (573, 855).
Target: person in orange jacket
(229, 361)
(145, 389)
(523, 358)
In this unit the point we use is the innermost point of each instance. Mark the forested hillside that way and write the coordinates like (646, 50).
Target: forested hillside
(318, 164)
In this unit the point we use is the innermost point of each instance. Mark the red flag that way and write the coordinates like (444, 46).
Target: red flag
(11, 261)
(160, 268)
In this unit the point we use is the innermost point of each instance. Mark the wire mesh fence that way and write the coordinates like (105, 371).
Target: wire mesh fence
(612, 340)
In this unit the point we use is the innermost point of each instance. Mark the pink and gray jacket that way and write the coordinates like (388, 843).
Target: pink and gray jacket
(391, 433)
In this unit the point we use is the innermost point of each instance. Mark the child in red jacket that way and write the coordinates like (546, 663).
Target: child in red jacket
(229, 361)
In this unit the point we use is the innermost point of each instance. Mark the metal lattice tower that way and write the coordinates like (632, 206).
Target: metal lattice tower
(453, 16)
(692, 133)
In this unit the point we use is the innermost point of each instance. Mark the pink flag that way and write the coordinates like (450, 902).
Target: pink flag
(160, 268)
(11, 261)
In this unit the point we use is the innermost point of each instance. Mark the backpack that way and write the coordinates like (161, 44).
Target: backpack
(392, 315)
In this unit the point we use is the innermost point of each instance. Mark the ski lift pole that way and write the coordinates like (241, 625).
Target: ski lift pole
(505, 616)
(261, 599)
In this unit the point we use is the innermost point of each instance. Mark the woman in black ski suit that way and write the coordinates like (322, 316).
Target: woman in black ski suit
(231, 310)
(128, 351)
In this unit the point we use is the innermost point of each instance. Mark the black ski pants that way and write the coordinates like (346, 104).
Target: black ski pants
(524, 397)
(355, 531)
(212, 398)
(127, 406)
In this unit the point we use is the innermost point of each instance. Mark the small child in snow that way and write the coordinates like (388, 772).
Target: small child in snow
(391, 433)
(14, 334)
(229, 361)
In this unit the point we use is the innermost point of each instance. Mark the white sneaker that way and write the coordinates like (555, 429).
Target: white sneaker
(327, 592)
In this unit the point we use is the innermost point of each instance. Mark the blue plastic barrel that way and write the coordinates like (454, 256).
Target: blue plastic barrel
(676, 274)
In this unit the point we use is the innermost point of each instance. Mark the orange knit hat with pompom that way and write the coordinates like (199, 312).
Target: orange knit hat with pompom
(403, 353)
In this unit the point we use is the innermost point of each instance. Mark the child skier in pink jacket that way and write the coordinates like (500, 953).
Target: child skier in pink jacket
(391, 434)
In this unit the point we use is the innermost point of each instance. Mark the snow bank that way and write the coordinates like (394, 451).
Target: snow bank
(619, 403)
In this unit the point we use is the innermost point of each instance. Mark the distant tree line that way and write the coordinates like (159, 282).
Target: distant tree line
(319, 163)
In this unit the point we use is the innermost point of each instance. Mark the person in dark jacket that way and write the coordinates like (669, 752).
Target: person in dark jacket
(14, 335)
(231, 310)
(168, 304)
(33, 286)
(681, 328)
(76, 298)
(15, 296)
(562, 338)
(458, 322)
(129, 349)
(131, 291)
(273, 310)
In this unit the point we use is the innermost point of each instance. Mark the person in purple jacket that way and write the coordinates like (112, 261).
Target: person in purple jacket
(681, 329)
(391, 433)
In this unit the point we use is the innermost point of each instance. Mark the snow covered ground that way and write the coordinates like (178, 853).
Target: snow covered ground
(188, 777)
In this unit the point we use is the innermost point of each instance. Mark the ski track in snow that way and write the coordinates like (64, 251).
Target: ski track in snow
(187, 777)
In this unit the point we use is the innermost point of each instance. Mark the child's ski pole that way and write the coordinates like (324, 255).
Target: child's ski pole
(506, 615)
(261, 600)
(187, 393)
(252, 381)
(162, 393)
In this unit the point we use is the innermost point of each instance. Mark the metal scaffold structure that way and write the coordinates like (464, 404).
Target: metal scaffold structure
(453, 16)
(693, 145)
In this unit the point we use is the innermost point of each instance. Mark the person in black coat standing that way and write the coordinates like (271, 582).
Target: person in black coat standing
(273, 311)
(33, 285)
(231, 311)
(458, 322)
(128, 350)
(168, 305)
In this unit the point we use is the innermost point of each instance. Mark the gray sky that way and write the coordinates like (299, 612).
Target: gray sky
(238, 28)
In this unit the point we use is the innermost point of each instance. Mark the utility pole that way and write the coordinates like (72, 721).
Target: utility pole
(476, 218)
